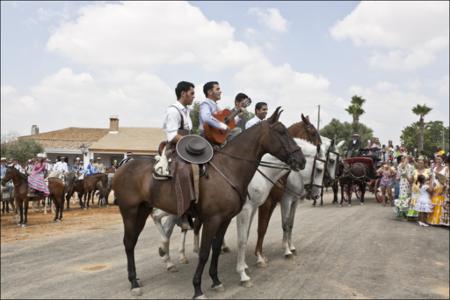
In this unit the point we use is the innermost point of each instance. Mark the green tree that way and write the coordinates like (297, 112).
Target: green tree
(355, 110)
(195, 117)
(343, 131)
(435, 135)
(22, 150)
(421, 111)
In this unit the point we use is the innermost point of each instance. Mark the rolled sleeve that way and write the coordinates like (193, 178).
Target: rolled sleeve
(171, 123)
(207, 117)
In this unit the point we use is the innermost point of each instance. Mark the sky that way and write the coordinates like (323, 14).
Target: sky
(74, 64)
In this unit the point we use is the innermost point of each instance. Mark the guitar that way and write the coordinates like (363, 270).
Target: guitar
(219, 136)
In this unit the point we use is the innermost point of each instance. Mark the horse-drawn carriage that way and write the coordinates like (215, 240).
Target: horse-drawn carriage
(358, 173)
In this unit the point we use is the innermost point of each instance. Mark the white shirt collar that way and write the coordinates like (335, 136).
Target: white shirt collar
(181, 106)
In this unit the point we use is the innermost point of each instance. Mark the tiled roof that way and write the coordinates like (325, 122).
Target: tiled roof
(136, 139)
(68, 138)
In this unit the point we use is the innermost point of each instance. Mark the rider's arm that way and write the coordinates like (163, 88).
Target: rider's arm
(207, 117)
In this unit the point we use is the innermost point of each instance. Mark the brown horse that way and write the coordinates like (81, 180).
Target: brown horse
(56, 189)
(302, 130)
(75, 185)
(92, 183)
(229, 172)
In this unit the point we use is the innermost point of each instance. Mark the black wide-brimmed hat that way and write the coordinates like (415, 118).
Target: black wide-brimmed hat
(194, 149)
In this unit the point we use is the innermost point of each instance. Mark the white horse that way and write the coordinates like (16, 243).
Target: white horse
(259, 189)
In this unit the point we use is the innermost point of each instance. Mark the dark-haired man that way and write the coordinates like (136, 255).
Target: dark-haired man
(238, 104)
(178, 123)
(260, 114)
(209, 106)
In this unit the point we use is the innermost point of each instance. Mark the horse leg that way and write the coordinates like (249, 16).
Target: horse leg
(264, 213)
(134, 221)
(363, 191)
(209, 232)
(285, 205)
(243, 223)
(20, 205)
(216, 250)
(61, 207)
(182, 258)
(335, 187)
(165, 234)
(197, 227)
(53, 205)
(24, 223)
(291, 225)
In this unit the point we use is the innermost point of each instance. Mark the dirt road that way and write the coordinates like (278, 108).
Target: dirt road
(348, 252)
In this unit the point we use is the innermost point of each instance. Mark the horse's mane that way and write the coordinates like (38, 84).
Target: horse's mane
(244, 134)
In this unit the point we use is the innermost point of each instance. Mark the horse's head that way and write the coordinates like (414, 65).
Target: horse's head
(9, 175)
(306, 130)
(329, 149)
(313, 174)
(275, 139)
(70, 179)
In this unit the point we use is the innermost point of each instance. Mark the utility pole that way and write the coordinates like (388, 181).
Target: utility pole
(443, 138)
(318, 117)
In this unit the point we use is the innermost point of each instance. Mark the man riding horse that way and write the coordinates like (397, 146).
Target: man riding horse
(177, 124)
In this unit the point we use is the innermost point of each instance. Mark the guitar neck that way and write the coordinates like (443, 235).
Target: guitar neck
(234, 113)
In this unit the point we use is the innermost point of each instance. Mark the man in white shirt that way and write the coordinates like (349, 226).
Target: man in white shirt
(59, 169)
(178, 123)
(260, 114)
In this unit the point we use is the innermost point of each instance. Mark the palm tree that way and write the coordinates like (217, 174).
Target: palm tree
(355, 110)
(421, 111)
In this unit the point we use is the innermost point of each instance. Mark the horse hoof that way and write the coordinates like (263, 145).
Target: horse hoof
(23, 225)
(247, 284)
(172, 269)
(288, 256)
(201, 297)
(136, 292)
(261, 264)
(294, 251)
(226, 250)
(183, 260)
(19, 224)
(218, 288)
(161, 252)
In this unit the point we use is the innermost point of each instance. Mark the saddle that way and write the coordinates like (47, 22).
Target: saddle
(32, 193)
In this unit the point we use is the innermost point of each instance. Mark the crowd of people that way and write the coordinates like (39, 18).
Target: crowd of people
(421, 189)
(417, 188)
(40, 168)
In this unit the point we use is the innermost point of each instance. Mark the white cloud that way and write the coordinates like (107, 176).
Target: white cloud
(271, 18)
(149, 34)
(282, 86)
(68, 99)
(408, 34)
(126, 50)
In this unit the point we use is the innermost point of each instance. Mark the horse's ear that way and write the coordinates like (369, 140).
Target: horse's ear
(305, 119)
(275, 116)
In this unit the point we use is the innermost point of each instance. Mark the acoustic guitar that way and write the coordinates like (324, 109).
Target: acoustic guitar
(219, 136)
